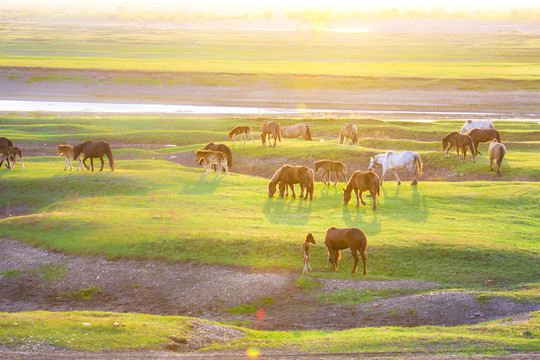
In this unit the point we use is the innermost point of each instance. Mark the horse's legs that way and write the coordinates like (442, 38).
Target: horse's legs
(302, 187)
(357, 199)
(292, 190)
(355, 256)
(361, 199)
(383, 175)
(447, 151)
(397, 177)
(464, 150)
(102, 163)
(491, 158)
(364, 261)
(337, 178)
(374, 198)
(457, 152)
(499, 164)
(226, 168)
(92, 163)
(413, 171)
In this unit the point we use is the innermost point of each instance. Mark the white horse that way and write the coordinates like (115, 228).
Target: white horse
(396, 162)
(476, 124)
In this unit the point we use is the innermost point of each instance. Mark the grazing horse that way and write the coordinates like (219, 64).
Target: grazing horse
(270, 129)
(496, 153)
(361, 181)
(67, 151)
(91, 150)
(348, 132)
(476, 124)
(9, 154)
(224, 149)
(458, 140)
(396, 162)
(328, 166)
(339, 239)
(288, 175)
(210, 157)
(241, 131)
(294, 131)
(4, 142)
(306, 252)
(483, 135)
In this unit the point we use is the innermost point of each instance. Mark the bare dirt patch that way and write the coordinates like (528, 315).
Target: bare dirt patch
(206, 291)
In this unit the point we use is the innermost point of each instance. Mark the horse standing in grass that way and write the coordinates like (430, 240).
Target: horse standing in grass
(396, 162)
(67, 151)
(294, 131)
(91, 150)
(339, 239)
(483, 135)
(288, 175)
(459, 141)
(9, 154)
(496, 153)
(243, 132)
(224, 149)
(270, 129)
(209, 157)
(331, 166)
(4, 142)
(348, 132)
(361, 181)
(476, 124)
(306, 252)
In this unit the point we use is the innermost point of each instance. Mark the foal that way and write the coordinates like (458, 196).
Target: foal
(306, 252)
(10, 153)
(67, 151)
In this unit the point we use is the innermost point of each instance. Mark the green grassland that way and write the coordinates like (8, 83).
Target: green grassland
(333, 60)
(459, 234)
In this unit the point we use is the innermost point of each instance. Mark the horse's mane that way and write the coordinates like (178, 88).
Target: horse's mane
(277, 174)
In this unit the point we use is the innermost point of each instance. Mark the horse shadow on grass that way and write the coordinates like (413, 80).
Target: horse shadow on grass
(287, 211)
(207, 184)
(363, 218)
(414, 209)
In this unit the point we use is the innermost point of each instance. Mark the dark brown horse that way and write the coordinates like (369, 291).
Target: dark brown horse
(483, 135)
(496, 153)
(331, 166)
(288, 175)
(459, 141)
(270, 129)
(224, 149)
(4, 143)
(361, 181)
(339, 239)
(94, 150)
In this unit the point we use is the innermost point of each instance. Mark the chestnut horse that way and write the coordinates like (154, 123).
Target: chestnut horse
(459, 141)
(361, 181)
(339, 239)
(4, 142)
(496, 153)
(328, 166)
(348, 132)
(294, 131)
(241, 131)
(92, 150)
(270, 129)
(287, 175)
(483, 135)
(224, 149)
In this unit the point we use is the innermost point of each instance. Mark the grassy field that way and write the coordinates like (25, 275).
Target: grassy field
(460, 61)
(459, 234)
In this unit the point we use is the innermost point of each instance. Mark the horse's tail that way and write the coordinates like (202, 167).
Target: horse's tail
(308, 133)
(279, 132)
(498, 135)
(228, 153)
(109, 155)
(471, 146)
(377, 186)
(418, 162)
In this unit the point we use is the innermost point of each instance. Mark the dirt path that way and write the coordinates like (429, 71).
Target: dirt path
(203, 291)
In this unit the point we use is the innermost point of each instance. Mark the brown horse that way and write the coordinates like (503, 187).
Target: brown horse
(270, 129)
(224, 149)
(496, 153)
(361, 181)
(348, 132)
(306, 252)
(9, 154)
(459, 141)
(328, 166)
(92, 150)
(483, 135)
(287, 175)
(67, 151)
(339, 239)
(4, 142)
(209, 157)
(241, 131)
(294, 131)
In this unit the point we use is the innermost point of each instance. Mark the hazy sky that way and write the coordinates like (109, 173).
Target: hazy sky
(240, 6)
